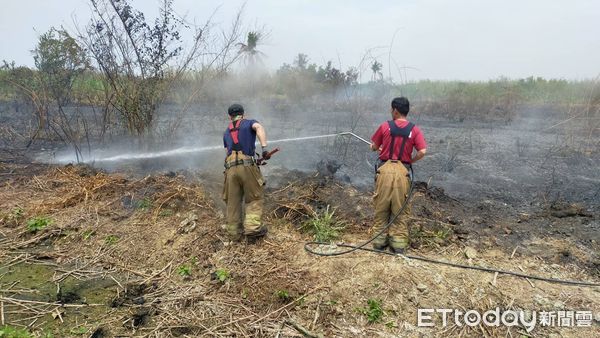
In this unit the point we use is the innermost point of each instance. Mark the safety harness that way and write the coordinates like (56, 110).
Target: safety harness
(397, 132)
(234, 130)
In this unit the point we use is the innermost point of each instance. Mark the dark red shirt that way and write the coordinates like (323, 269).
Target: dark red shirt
(383, 139)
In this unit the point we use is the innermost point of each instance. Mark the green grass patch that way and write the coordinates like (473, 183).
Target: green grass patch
(283, 295)
(38, 223)
(184, 270)
(143, 204)
(111, 239)
(374, 311)
(222, 275)
(324, 227)
(88, 234)
(11, 332)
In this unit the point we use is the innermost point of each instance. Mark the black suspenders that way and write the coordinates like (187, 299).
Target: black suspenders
(396, 132)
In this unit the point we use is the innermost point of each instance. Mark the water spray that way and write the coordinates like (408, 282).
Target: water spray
(190, 150)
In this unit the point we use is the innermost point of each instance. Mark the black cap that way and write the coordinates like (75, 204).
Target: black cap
(235, 109)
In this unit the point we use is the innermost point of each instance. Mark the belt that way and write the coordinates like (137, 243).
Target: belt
(246, 162)
(395, 161)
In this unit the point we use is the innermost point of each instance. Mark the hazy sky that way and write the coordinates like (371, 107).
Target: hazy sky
(437, 39)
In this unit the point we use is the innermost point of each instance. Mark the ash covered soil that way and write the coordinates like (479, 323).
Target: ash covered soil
(137, 248)
(146, 256)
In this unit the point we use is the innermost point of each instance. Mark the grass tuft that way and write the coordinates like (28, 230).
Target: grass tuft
(324, 227)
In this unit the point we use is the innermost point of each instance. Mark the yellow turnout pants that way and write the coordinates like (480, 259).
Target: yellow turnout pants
(391, 190)
(243, 184)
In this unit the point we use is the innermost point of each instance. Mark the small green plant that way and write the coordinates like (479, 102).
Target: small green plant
(324, 227)
(88, 234)
(391, 324)
(442, 233)
(283, 295)
(144, 204)
(222, 275)
(184, 270)
(78, 331)
(111, 239)
(11, 332)
(17, 213)
(38, 223)
(165, 213)
(374, 312)
(331, 302)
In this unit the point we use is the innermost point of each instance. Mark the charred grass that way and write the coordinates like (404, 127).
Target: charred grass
(159, 239)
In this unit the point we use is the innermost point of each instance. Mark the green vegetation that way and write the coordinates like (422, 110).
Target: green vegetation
(184, 270)
(324, 227)
(38, 223)
(222, 275)
(111, 239)
(17, 213)
(374, 311)
(283, 295)
(144, 204)
(79, 331)
(11, 332)
(88, 234)
(12, 217)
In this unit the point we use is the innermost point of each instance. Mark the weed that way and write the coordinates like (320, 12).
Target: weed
(111, 239)
(144, 204)
(17, 213)
(11, 332)
(374, 312)
(222, 275)
(391, 324)
(166, 213)
(38, 223)
(184, 270)
(88, 234)
(283, 295)
(324, 227)
(78, 331)
(442, 233)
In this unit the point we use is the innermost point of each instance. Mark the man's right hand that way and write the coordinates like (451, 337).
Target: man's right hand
(265, 155)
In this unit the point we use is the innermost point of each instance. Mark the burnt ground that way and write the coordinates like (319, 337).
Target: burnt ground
(144, 231)
(519, 196)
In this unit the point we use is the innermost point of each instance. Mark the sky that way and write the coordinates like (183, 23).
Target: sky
(413, 39)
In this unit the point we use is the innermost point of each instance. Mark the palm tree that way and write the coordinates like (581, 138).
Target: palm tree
(376, 69)
(248, 50)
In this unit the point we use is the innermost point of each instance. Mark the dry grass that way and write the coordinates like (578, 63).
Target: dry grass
(160, 223)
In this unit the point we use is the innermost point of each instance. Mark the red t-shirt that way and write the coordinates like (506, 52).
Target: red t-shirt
(382, 138)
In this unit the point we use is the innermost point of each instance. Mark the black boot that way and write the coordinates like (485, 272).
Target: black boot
(380, 247)
(397, 251)
(254, 237)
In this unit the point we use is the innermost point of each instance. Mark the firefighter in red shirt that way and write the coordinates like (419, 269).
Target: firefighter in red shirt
(395, 141)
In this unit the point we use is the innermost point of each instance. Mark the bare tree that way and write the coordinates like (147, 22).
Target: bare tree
(140, 60)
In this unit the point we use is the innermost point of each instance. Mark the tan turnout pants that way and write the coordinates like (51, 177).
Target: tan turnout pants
(243, 184)
(391, 190)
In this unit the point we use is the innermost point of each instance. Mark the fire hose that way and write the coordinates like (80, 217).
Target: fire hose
(308, 246)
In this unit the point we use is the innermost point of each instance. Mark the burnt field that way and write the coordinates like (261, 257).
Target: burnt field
(135, 247)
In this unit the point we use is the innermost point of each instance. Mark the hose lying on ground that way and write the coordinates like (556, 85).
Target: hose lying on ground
(352, 248)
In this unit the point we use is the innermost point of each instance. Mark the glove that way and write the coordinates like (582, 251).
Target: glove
(265, 154)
